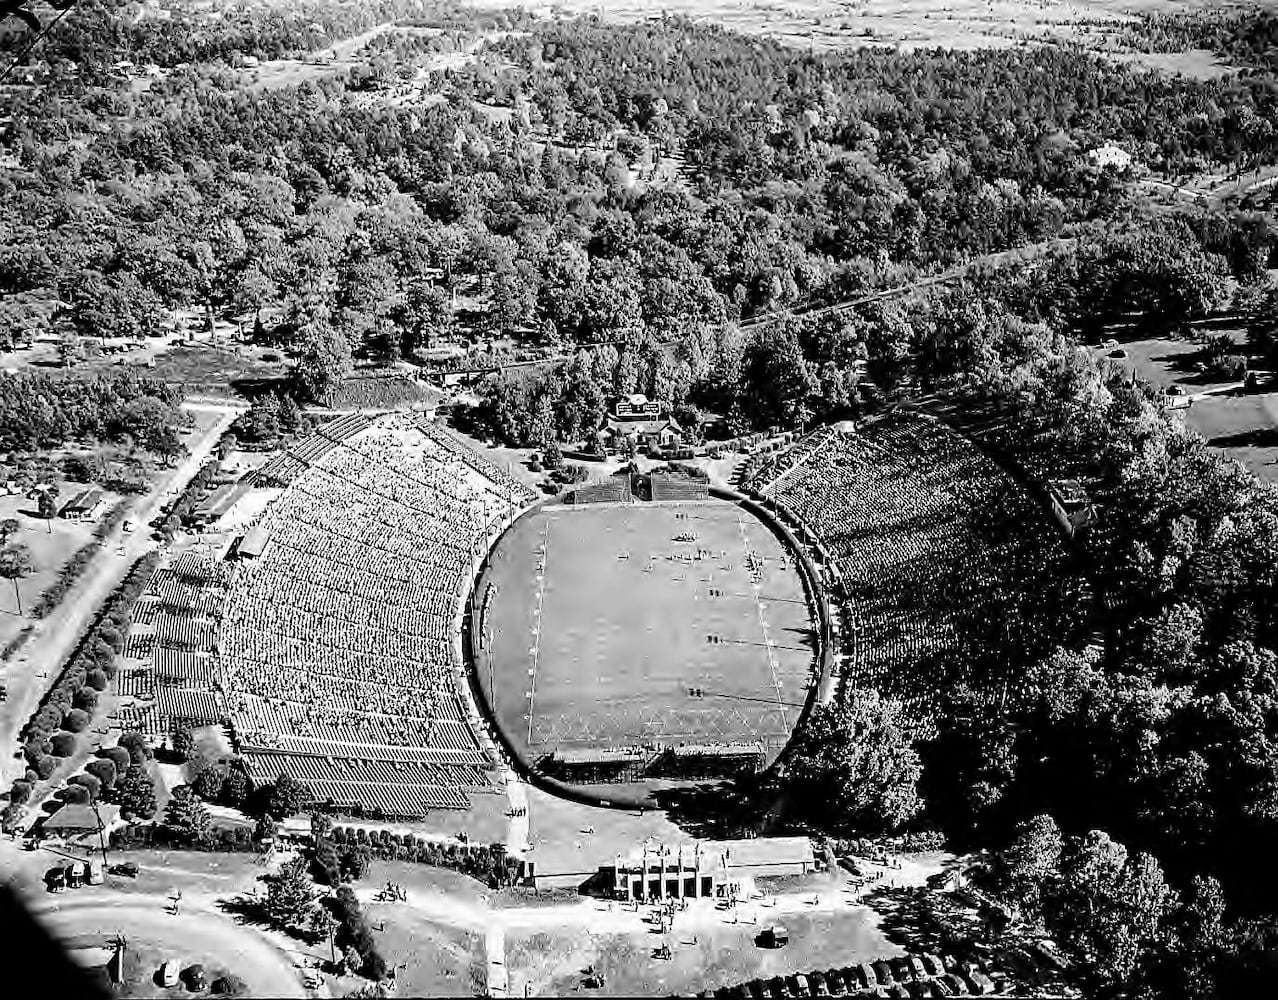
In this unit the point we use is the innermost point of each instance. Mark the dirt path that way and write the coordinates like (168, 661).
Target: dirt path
(197, 933)
(35, 669)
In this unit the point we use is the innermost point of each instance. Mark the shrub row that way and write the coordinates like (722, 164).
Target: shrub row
(489, 864)
(68, 707)
(70, 572)
(221, 839)
(14, 645)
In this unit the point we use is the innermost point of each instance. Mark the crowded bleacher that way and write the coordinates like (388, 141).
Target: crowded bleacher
(902, 507)
(340, 641)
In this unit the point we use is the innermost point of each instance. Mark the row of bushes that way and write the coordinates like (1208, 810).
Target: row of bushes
(14, 645)
(220, 839)
(53, 731)
(489, 864)
(70, 572)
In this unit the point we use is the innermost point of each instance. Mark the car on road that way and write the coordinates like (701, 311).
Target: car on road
(1117, 352)
(126, 869)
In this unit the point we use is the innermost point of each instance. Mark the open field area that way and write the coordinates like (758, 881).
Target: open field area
(605, 620)
(832, 24)
(1242, 423)
(707, 957)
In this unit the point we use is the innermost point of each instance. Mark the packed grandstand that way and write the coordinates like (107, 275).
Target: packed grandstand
(339, 644)
(910, 519)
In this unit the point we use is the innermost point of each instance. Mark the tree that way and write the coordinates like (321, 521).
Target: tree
(15, 563)
(76, 721)
(8, 527)
(290, 897)
(1110, 908)
(104, 771)
(135, 793)
(186, 820)
(136, 746)
(208, 782)
(285, 798)
(183, 743)
(1028, 868)
(854, 766)
(775, 381)
(322, 360)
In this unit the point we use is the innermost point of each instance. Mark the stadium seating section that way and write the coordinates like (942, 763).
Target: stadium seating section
(339, 643)
(893, 505)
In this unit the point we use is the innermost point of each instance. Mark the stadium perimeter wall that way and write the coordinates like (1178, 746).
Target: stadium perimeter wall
(818, 693)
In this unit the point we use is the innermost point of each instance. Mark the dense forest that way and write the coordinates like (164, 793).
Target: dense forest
(661, 203)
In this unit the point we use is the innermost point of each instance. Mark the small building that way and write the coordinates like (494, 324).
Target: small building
(218, 503)
(645, 435)
(707, 868)
(252, 544)
(602, 765)
(1110, 157)
(84, 506)
(1071, 504)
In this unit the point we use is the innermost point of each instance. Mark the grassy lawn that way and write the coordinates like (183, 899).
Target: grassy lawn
(604, 649)
(437, 961)
(553, 962)
(51, 543)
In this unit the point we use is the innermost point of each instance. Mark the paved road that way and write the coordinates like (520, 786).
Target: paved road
(30, 675)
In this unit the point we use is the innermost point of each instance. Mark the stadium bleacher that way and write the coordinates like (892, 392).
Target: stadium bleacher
(339, 642)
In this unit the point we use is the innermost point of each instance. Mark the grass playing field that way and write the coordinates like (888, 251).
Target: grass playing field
(600, 623)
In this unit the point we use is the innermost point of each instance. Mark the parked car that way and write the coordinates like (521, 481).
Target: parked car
(933, 965)
(169, 973)
(835, 984)
(799, 983)
(979, 983)
(862, 975)
(95, 873)
(55, 879)
(196, 980)
(817, 984)
(882, 973)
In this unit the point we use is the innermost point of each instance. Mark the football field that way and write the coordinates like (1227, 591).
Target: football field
(618, 625)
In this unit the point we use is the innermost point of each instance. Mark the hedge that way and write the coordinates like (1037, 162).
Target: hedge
(489, 864)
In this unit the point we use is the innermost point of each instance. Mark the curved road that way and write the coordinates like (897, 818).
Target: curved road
(196, 935)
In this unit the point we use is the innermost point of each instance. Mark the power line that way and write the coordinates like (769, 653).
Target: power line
(39, 36)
